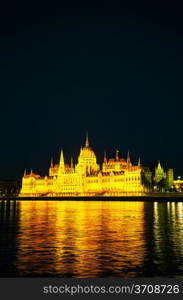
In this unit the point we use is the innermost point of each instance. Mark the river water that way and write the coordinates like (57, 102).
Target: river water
(91, 239)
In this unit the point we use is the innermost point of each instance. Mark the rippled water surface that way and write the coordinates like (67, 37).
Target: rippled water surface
(91, 239)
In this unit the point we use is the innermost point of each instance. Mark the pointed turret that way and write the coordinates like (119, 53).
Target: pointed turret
(25, 173)
(117, 155)
(87, 141)
(159, 165)
(61, 158)
(159, 173)
(31, 172)
(128, 158)
(61, 163)
(105, 157)
(72, 163)
(51, 163)
(139, 163)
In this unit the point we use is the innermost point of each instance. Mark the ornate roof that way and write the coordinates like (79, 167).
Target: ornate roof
(32, 175)
(87, 152)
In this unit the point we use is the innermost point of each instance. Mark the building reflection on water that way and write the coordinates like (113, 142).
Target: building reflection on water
(9, 229)
(91, 239)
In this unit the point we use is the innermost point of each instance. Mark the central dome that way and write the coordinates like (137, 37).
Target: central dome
(87, 161)
(87, 152)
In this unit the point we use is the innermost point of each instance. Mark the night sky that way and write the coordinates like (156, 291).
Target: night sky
(114, 71)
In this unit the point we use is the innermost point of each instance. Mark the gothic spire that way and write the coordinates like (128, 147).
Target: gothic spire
(159, 164)
(105, 157)
(61, 163)
(117, 155)
(61, 158)
(139, 163)
(72, 163)
(128, 159)
(87, 141)
(51, 164)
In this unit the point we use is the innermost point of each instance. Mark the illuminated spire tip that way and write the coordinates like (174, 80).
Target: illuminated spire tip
(87, 141)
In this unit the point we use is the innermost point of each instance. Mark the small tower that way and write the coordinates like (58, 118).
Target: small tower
(25, 173)
(105, 157)
(51, 169)
(139, 163)
(117, 155)
(51, 163)
(72, 163)
(128, 159)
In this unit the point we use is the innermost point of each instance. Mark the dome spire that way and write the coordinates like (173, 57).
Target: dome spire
(87, 141)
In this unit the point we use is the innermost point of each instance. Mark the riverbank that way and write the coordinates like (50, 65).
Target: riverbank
(159, 197)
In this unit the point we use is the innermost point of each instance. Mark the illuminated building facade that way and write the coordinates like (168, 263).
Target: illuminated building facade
(170, 178)
(159, 173)
(163, 180)
(116, 177)
(178, 185)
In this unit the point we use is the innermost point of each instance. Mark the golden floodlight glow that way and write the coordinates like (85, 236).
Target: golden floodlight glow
(117, 177)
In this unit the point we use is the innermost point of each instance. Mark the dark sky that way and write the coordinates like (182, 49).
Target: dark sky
(112, 69)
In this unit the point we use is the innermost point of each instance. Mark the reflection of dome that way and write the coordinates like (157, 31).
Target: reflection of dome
(87, 152)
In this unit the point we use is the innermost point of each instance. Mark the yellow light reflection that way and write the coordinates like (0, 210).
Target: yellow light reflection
(80, 238)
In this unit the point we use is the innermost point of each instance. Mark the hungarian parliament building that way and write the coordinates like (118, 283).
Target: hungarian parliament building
(116, 177)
